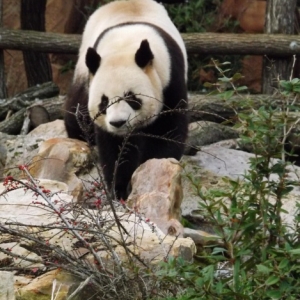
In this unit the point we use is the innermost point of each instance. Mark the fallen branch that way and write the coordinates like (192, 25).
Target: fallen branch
(26, 98)
(213, 108)
(13, 125)
(201, 107)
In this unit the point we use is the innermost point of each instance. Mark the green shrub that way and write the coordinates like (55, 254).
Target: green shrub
(201, 16)
(259, 256)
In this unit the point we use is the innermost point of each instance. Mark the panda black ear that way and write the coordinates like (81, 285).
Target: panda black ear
(92, 60)
(144, 54)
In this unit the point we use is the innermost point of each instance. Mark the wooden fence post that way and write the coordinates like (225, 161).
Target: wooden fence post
(280, 18)
(37, 65)
(3, 92)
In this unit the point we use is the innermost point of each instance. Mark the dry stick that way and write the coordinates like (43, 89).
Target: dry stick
(10, 253)
(109, 199)
(120, 226)
(286, 131)
(81, 286)
(115, 256)
(39, 242)
(3, 91)
(54, 288)
(69, 226)
(54, 265)
(47, 227)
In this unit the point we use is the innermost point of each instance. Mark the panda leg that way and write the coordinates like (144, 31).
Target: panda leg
(169, 136)
(129, 161)
(109, 151)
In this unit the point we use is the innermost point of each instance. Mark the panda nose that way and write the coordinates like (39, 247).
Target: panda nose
(117, 124)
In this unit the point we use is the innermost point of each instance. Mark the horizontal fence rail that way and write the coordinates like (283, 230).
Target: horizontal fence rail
(201, 43)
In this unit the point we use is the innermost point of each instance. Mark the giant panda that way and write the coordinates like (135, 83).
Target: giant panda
(131, 77)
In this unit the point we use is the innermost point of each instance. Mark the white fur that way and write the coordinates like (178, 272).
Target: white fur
(124, 11)
(118, 73)
(117, 79)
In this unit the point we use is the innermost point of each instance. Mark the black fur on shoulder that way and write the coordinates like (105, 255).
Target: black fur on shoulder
(80, 127)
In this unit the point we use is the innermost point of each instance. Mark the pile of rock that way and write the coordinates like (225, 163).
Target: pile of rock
(148, 223)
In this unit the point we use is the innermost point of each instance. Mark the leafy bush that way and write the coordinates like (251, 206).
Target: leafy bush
(193, 16)
(259, 253)
(200, 16)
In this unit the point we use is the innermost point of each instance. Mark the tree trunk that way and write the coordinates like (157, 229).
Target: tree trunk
(3, 93)
(37, 65)
(280, 18)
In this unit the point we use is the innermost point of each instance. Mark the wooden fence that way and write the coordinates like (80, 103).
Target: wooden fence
(281, 17)
(279, 45)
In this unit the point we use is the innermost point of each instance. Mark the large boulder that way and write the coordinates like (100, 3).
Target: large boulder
(157, 194)
(20, 150)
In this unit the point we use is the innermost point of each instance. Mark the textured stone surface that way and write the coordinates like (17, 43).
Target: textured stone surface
(213, 162)
(61, 159)
(20, 206)
(7, 286)
(4, 138)
(41, 287)
(145, 239)
(203, 133)
(157, 193)
(23, 148)
(201, 237)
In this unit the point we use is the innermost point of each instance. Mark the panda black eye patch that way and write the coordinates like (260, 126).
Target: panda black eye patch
(103, 104)
(134, 102)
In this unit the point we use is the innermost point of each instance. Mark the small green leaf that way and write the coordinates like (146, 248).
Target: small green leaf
(295, 81)
(208, 84)
(294, 251)
(237, 76)
(296, 88)
(242, 88)
(287, 190)
(219, 287)
(225, 63)
(275, 294)
(272, 280)
(199, 282)
(218, 250)
(228, 94)
(224, 79)
(263, 269)
(286, 85)
(284, 263)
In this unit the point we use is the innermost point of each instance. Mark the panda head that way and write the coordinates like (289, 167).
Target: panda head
(125, 90)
